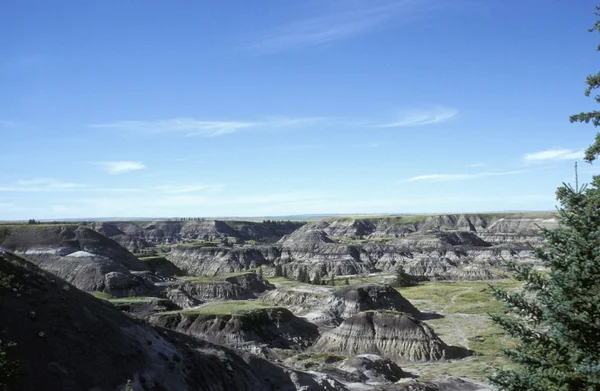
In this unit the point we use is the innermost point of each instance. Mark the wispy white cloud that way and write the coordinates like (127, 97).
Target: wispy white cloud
(198, 127)
(40, 185)
(459, 177)
(53, 185)
(181, 189)
(553, 154)
(195, 127)
(422, 117)
(337, 20)
(476, 165)
(120, 167)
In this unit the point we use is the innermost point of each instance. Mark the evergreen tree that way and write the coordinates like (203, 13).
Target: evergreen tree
(317, 279)
(284, 273)
(556, 319)
(301, 277)
(402, 278)
(347, 281)
(260, 272)
(278, 271)
(332, 280)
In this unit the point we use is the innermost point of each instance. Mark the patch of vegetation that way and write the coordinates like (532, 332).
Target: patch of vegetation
(322, 357)
(136, 299)
(102, 295)
(10, 370)
(233, 307)
(218, 277)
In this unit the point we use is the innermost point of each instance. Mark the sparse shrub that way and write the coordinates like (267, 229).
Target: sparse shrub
(402, 278)
(132, 293)
(10, 370)
(317, 279)
(278, 271)
(346, 281)
(260, 272)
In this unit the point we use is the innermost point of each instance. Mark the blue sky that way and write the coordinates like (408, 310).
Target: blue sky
(229, 108)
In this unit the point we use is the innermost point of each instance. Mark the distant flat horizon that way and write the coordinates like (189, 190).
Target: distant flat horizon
(302, 217)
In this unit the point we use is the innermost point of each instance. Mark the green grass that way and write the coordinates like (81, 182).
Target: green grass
(465, 305)
(135, 299)
(101, 295)
(218, 277)
(233, 307)
(322, 357)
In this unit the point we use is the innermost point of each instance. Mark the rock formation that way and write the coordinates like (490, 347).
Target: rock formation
(330, 306)
(394, 335)
(68, 340)
(251, 330)
(83, 257)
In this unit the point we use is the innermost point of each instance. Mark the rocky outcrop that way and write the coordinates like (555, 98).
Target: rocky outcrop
(182, 299)
(235, 287)
(251, 330)
(142, 307)
(82, 256)
(55, 327)
(216, 290)
(394, 335)
(131, 242)
(173, 232)
(432, 247)
(197, 260)
(362, 297)
(326, 306)
(370, 368)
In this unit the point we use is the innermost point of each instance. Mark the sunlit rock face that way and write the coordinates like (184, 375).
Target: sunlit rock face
(394, 335)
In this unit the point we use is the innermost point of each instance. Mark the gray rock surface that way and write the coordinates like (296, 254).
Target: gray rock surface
(250, 330)
(326, 306)
(394, 335)
(69, 340)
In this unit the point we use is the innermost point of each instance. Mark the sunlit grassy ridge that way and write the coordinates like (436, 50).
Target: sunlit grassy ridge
(464, 306)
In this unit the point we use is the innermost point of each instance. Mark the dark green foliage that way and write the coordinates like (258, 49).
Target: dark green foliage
(303, 275)
(317, 279)
(332, 280)
(558, 323)
(128, 386)
(278, 271)
(402, 278)
(284, 273)
(260, 272)
(10, 370)
(556, 320)
(346, 281)
(593, 82)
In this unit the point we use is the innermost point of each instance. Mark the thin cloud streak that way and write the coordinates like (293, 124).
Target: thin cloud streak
(422, 117)
(193, 127)
(459, 177)
(52, 185)
(553, 154)
(345, 20)
(190, 127)
(120, 167)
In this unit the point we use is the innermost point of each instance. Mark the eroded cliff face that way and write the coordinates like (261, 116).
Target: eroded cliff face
(173, 232)
(81, 256)
(56, 326)
(327, 306)
(251, 330)
(465, 247)
(394, 335)
(461, 247)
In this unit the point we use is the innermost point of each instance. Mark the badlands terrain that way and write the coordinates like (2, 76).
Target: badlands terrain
(216, 305)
